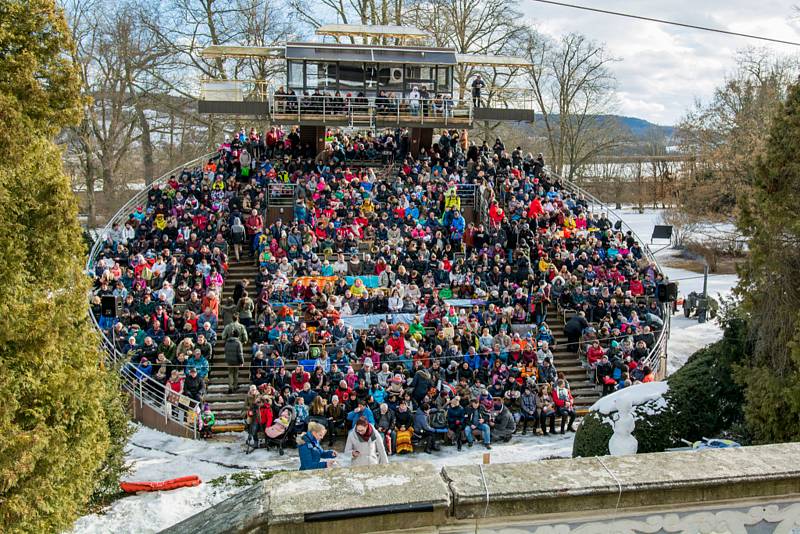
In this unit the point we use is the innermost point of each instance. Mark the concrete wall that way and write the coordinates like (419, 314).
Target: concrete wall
(752, 485)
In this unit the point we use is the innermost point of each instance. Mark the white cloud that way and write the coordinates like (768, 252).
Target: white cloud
(663, 69)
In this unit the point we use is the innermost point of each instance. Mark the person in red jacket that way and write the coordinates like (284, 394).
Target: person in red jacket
(535, 208)
(299, 378)
(565, 407)
(261, 418)
(398, 342)
(595, 353)
(343, 392)
(496, 214)
(636, 287)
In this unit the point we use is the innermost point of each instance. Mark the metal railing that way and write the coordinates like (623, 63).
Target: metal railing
(656, 358)
(144, 390)
(370, 110)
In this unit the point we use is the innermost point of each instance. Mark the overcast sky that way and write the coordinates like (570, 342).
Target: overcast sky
(664, 68)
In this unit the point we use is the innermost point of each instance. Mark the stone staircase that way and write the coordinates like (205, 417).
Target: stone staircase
(229, 407)
(583, 389)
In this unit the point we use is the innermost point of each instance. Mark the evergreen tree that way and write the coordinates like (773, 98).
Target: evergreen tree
(55, 430)
(769, 284)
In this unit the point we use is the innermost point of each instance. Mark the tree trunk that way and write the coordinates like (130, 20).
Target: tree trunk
(147, 146)
(91, 207)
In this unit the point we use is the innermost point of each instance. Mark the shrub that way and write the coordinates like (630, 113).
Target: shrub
(703, 400)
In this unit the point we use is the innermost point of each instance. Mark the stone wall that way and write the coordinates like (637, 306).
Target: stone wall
(751, 484)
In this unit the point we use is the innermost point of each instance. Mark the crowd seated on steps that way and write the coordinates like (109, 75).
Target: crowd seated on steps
(376, 296)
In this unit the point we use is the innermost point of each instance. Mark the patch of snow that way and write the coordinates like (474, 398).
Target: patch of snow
(636, 395)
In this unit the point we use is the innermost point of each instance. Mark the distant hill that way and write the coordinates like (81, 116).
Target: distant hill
(638, 128)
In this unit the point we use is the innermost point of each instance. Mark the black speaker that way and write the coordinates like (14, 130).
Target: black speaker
(667, 292)
(672, 291)
(108, 306)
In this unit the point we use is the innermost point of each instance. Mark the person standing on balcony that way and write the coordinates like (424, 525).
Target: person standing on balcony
(477, 85)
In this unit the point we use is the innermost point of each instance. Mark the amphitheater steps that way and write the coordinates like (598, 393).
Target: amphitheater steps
(583, 389)
(229, 407)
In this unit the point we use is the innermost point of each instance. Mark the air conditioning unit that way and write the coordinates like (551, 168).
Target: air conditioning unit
(396, 75)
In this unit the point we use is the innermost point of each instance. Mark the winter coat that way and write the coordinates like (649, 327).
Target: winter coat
(234, 354)
(366, 412)
(504, 424)
(528, 404)
(421, 422)
(386, 420)
(370, 451)
(420, 385)
(311, 454)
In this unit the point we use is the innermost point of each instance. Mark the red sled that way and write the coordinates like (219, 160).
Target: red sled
(182, 482)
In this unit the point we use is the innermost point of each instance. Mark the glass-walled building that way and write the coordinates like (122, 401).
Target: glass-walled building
(368, 69)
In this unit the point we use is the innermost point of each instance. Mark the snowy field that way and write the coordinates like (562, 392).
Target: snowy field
(156, 456)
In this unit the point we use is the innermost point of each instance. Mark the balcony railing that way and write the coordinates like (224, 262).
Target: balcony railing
(326, 107)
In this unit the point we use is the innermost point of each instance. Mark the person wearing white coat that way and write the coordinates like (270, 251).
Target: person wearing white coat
(364, 444)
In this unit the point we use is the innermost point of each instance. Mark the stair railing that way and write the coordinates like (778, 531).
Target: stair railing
(143, 389)
(656, 358)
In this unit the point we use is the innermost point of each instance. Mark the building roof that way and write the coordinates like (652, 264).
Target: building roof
(215, 51)
(368, 30)
(370, 54)
(492, 61)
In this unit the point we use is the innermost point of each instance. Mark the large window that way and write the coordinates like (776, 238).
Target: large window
(351, 78)
(443, 79)
(296, 74)
(320, 76)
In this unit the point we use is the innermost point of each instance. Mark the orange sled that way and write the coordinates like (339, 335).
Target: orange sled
(182, 482)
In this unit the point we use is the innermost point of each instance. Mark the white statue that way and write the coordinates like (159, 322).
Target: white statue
(622, 441)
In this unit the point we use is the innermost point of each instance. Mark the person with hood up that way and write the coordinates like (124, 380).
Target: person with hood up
(365, 444)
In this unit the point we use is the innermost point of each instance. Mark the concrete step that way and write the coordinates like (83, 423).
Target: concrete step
(227, 406)
(228, 415)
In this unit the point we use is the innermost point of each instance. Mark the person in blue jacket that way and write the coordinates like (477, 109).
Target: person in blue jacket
(361, 409)
(312, 455)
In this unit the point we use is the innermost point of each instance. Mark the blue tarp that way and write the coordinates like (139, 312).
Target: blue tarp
(370, 280)
(361, 322)
(465, 303)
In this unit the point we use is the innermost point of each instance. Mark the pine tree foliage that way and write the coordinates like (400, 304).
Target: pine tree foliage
(769, 284)
(56, 401)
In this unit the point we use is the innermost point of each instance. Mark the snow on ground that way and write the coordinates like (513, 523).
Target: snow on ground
(158, 456)
(686, 335)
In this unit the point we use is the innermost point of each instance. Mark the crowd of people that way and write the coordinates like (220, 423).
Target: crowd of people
(378, 308)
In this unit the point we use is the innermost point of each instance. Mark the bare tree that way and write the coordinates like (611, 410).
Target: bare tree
(731, 128)
(573, 87)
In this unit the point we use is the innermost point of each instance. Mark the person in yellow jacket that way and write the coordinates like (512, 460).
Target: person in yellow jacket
(544, 264)
(367, 207)
(160, 222)
(451, 199)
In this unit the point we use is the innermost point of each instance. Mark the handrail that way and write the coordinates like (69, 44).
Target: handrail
(143, 389)
(657, 357)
